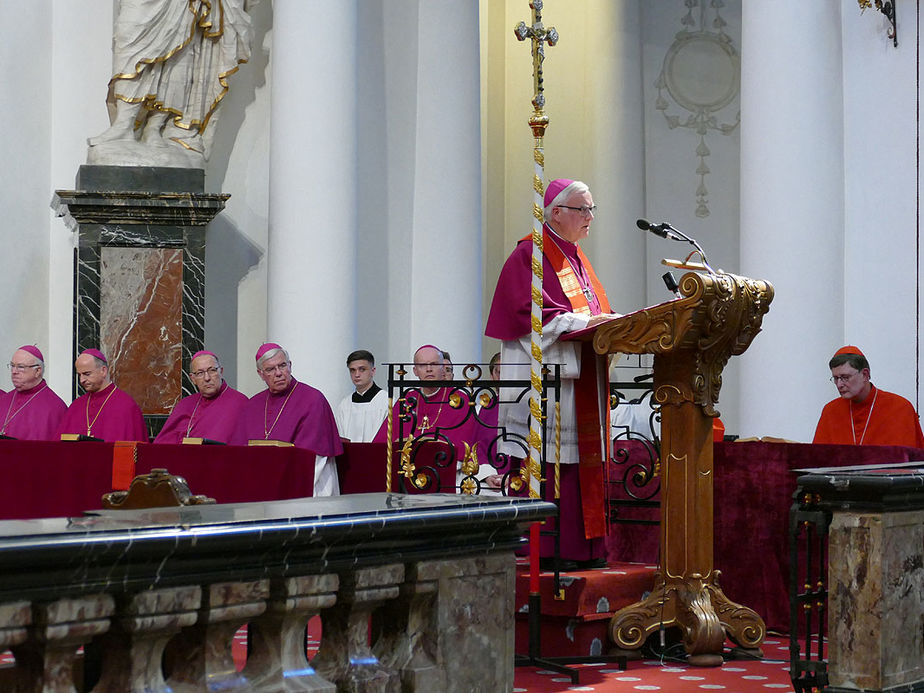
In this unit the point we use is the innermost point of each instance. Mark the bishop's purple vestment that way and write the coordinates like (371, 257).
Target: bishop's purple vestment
(300, 415)
(196, 416)
(432, 417)
(33, 414)
(509, 321)
(110, 414)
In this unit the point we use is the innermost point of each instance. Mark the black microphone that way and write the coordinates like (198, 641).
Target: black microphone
(664, 230)
(656, 229)
(671, 284)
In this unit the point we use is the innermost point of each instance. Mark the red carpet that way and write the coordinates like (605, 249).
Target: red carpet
(735, 676)
(576, 623)
(770, 674)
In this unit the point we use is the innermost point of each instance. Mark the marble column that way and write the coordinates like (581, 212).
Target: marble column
(311, 253)
(482, 633)
(614, 151)
(133, 648)
(792, 210)
(139, 271)
(409, 638)
(15, 618)
(444, 264)
(346, 656)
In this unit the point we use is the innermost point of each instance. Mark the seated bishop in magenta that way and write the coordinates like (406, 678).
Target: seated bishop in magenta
(103, 411)
(31, 410)
(212, 412)
(293, 412)
(438, 414)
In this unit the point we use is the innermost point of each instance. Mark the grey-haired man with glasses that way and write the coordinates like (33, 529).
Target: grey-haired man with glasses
(31, 410)
(211, 414)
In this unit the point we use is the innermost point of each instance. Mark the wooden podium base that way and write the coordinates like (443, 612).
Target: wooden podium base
(702, 612)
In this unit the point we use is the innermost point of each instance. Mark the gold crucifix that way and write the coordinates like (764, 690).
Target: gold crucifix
(539, 36)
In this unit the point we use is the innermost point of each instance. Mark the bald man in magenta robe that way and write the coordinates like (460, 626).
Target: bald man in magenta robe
(429, 413)
(103, 411)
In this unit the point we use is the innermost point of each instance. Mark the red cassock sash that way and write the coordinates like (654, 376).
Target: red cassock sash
(591, 390)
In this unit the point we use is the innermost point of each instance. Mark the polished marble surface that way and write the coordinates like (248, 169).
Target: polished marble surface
(161, 547)
(865, 487)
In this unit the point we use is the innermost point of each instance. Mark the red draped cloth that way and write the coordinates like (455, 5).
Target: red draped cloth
(754, 484)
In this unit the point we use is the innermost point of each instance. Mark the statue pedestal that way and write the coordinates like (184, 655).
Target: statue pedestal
(139, 273)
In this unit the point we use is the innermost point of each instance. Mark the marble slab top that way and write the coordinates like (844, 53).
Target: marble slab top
(886, 487)
(354, 509)
(125, 550)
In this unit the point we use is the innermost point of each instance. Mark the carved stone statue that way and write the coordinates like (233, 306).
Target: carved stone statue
(171, 63)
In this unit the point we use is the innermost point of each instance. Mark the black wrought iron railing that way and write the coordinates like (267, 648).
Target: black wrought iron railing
(808, 593)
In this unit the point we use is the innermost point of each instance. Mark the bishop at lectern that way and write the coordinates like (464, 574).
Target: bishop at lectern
(572, 299)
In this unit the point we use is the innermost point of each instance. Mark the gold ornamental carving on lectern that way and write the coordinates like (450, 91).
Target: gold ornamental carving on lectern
(717, 316)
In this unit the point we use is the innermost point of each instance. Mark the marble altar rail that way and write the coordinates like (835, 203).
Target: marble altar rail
(415, 593)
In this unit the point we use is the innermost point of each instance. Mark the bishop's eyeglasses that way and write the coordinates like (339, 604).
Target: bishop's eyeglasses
(279, 367)
(843, 378)
(583, 209)
(201, 374)
(21, 366)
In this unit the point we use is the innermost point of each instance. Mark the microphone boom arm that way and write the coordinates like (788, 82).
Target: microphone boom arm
(677, 235)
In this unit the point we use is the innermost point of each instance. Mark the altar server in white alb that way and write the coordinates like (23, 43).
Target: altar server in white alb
(360, 415)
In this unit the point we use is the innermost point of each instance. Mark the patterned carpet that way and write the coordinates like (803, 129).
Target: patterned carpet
(734, 676)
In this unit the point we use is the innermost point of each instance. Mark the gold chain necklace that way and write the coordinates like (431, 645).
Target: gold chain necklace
(267, 431)
(196, 408)
(99, 411)
(426, 423)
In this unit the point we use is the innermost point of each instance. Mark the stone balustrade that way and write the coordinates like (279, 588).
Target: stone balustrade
(415, 593)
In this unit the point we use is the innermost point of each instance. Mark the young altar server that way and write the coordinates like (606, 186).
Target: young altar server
(360, 414)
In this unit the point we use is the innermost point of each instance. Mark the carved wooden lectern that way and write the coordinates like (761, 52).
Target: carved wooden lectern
(692, 339)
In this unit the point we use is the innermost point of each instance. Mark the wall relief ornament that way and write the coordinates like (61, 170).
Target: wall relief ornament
(701, 75)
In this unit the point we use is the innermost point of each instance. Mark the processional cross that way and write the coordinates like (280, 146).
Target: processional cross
(538, 36)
